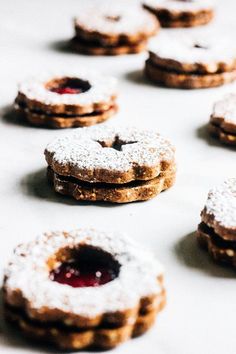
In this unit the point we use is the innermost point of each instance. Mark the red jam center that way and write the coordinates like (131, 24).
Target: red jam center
(79, 276)
(69, 86)
(66, 90)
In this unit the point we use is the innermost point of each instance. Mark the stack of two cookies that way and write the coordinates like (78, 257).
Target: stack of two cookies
(222, 123)
(104, 163)
(65, 101)
(115, 29)
(191, 60)
(217, 230)
(87, 288)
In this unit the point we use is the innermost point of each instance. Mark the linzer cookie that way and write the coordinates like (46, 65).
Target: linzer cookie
(181, 13)
(223, 120)
(65, 101)
(113, 29)
(191, 61)
(111, 164)
(83, 288)
(217, 231)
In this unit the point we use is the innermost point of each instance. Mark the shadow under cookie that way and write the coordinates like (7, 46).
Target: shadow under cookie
(138, 77)
(192, 255)
(202, 132)
(62, 46)
(10, 116)
(36, 185)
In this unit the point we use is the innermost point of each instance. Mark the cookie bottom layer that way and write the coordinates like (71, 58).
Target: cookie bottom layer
(220, 250)
(60, 121)
(114, 193)
(186, 19)
(81, 46)
(183, 80)
(74, 339)
(225, 137)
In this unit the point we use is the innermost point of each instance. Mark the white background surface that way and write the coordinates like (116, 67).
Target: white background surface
(200, 315)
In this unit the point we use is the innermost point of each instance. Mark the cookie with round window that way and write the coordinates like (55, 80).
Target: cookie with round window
(74, 99)
(84, 288)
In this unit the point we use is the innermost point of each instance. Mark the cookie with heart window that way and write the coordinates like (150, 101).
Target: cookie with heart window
(217, 230)
(112, 164)
(191, 61)
(65, 101)
(83, 288)
(181, 13)
(114, 29)
(222, 123)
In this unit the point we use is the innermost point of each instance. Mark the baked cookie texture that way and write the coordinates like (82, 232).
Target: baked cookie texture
(191, 61)
(83, 288)
(67, 100)
(111, 164)
(222, 123)
(217, 230)
(181, 13)
(117, 28)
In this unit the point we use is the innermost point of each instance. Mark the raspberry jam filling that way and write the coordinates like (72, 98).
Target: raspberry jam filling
(68, 86)
(66, 90)
(90, 268)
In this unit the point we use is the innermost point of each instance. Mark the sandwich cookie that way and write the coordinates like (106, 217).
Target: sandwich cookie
(82, 288)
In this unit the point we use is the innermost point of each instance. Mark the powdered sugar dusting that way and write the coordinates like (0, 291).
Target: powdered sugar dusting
(221, 203)
(29, 272)
(181, 47)
(178, 6)
(226, 108)
(82, 149)
(102, 89)
(132, 19)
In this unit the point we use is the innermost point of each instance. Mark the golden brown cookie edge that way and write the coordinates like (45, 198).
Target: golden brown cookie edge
(221, 255)
(53, 121)
(123, 194)
(187, 81)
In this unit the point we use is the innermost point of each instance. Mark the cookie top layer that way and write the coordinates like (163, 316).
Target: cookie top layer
(178, 6)
(27, 275)
(220, 209)
(194, 52)
(226, 109)
(110, 154)
(115, 19)
(101, 89)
